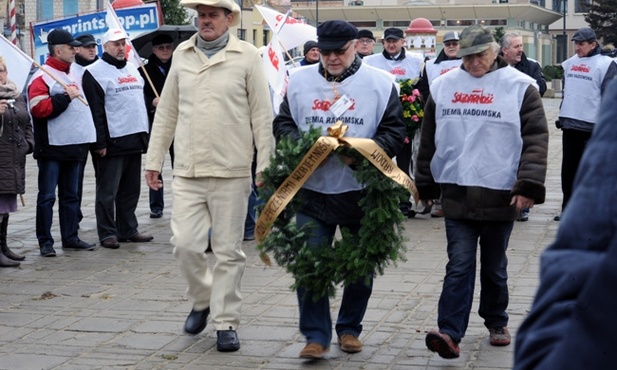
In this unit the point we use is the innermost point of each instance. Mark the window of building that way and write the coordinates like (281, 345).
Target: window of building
(493, 22)
(254, 37)
(242, 34)
(44, 10)
(364, 24)
(388, 24)
(581, 6)
(558, 5)
(460, 22)
(265, 38)
(70, 7)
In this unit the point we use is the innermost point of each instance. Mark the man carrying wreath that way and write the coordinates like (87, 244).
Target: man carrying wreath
(339, 88)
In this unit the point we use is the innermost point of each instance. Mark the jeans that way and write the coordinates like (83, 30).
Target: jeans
(251, 214)
(458, 287)
(315, 320)
(65, 176)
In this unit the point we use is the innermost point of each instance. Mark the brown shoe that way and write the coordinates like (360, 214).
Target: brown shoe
(111, 243)
(314, 351)
(350, 343)
(500, 336)
(138, 238)
(442, 344)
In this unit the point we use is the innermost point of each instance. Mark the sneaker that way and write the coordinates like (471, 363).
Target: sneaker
(313, 351)
(350, 343)
(523, 216)
(500, 336)
(442, 344)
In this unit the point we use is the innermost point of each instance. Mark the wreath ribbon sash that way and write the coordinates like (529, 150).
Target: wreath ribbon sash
(313, 158)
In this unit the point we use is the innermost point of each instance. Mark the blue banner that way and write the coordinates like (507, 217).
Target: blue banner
(135, 20)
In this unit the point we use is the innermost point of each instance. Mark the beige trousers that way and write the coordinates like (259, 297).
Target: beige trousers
(198, 205)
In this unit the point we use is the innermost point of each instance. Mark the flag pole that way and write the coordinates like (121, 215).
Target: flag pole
(143, 68)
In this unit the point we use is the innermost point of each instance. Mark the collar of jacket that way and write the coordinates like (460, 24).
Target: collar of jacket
(113, 61)
(58, 64)
(401, 56)
(232, 45)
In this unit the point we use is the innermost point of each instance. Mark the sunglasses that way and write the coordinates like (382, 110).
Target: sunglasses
(338, 52)
(450, 43)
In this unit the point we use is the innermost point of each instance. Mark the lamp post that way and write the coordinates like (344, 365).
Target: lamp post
(565, 36)
(317, 13)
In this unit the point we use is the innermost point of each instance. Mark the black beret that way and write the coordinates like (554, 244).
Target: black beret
(332, 35)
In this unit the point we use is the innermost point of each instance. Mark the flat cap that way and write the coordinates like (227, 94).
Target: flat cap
(367, 34)
(86, 39)
(59, 36)
(393, 33)
(584, 34)
(474, 39)
(332, 35)
(450, 36)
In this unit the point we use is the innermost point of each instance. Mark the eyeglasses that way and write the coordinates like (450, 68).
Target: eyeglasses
(451, 43)
(338, 52)
(164, 47)
(365, 41)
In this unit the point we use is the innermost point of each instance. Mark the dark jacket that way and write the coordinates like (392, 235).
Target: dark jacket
(157, 71)
(572, 322)
(16, 140)
(532, 69)
(344, 208)
(129, 144)
(422, 85)
(51, 107)
(478, 203)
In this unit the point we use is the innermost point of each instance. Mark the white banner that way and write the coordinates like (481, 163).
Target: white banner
(294, 34)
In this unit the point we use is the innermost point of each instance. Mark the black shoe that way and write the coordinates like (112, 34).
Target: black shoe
(47, 251)
(196, 321)
(557, 218)
(523, 216)
(156, 214)
(80, 246)
(227, 340)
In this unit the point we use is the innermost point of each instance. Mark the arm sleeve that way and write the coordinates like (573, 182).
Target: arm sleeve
(390, 135)
(427, 188)
(42, 105)
(284, 124)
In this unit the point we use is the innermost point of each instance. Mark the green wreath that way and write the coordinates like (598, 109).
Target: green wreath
(379, 243)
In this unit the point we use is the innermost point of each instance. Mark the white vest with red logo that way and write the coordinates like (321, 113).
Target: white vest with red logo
(125, 107)
(583, 81)
(310, 96)
(478, 129)
(408, 68)
(434, 70)
(75, 124)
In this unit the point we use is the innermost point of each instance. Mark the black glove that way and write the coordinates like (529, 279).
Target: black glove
(558, 124)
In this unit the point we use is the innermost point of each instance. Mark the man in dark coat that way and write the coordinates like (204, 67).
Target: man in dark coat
(572, 321)
(157, 69)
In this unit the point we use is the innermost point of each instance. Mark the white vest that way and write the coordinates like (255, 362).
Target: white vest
(75, 124)
(125, 107)
(582, 90)
(478, 129)
(408, 68)
(435, 70)
(310, 96)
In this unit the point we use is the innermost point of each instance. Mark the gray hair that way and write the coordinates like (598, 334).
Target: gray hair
(52, 49)
(505, 40)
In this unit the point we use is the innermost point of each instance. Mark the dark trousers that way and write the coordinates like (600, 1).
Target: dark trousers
(458, 286)
(573, 147)
(63, 175)
(315, 320)
(157, 197)
(403, 161)
(118, 185)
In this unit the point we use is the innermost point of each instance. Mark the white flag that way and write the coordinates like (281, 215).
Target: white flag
(112, 20)
(294, 34)
(276, 71)
(18, 63)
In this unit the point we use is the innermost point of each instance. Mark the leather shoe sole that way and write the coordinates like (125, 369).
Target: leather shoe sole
(227, 341)
(156, 214)
(138, 238)
(111, 243)
(442, 344)
(196, 321)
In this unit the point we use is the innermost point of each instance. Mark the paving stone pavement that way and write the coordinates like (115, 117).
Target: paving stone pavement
(125, 308)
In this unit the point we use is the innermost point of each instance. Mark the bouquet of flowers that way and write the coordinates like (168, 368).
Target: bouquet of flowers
(413, 106)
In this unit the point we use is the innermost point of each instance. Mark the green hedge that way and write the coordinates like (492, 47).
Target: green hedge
(553, 72)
